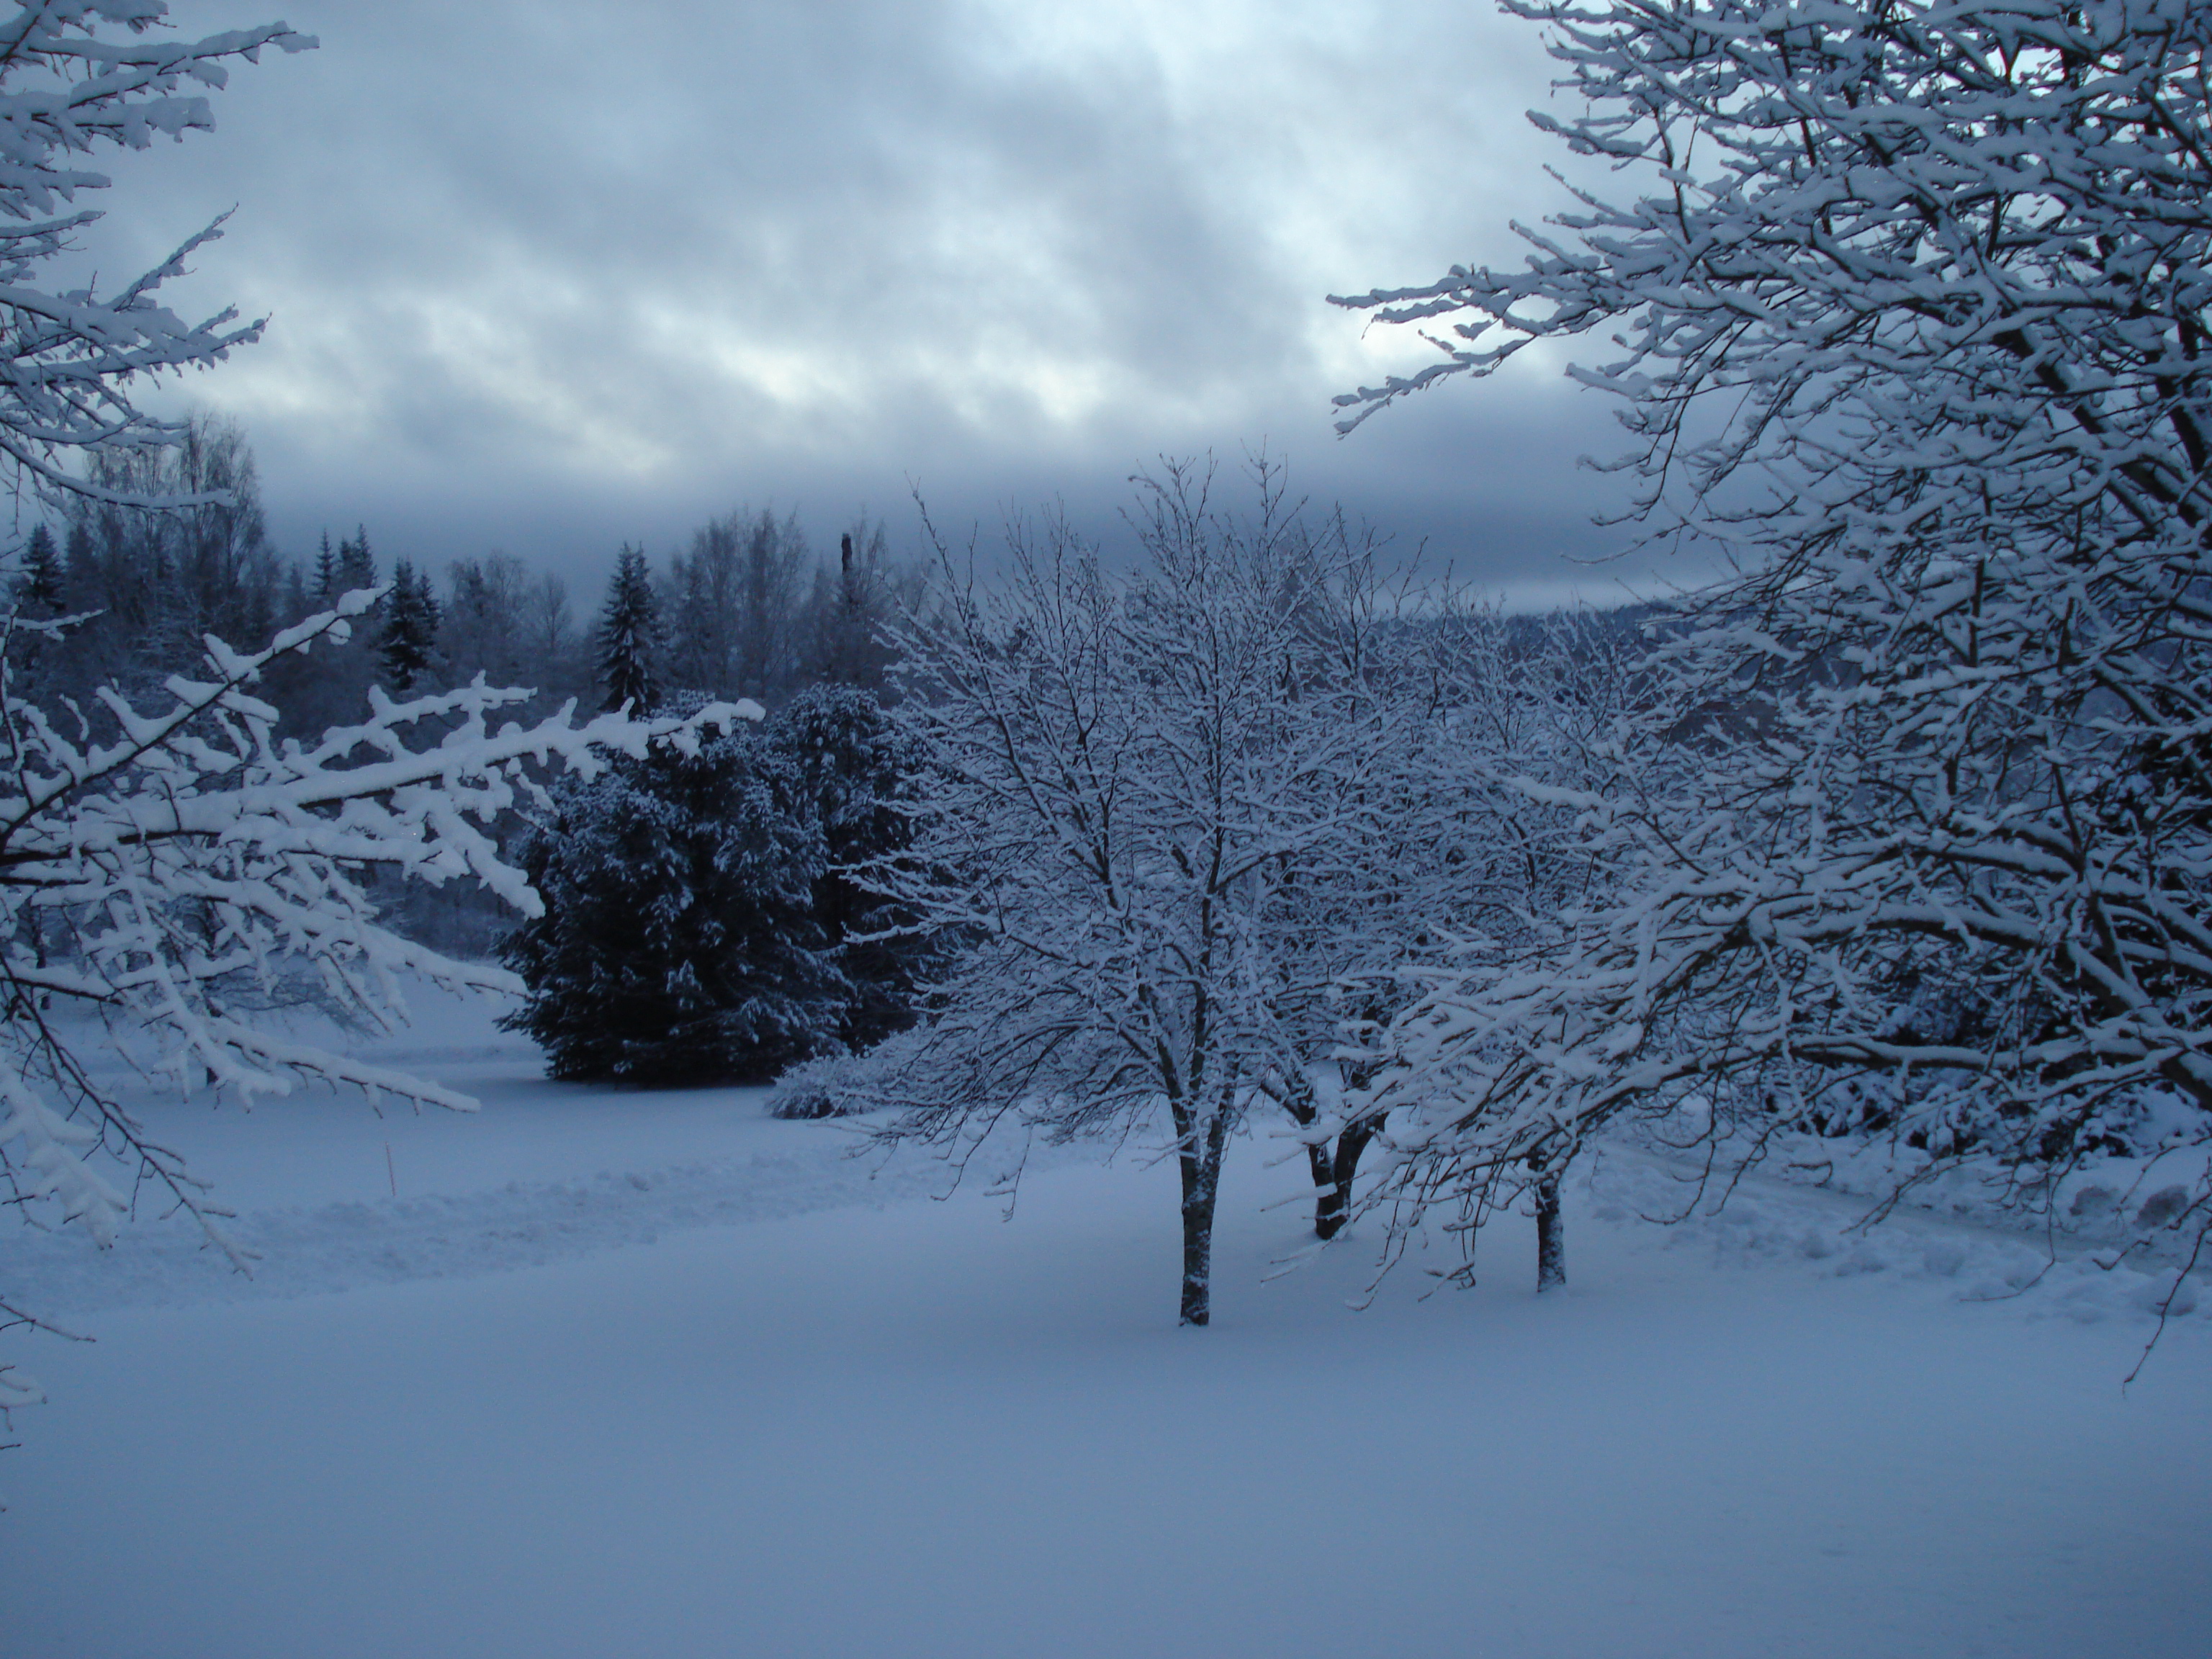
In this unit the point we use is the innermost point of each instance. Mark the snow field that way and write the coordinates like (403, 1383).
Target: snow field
(798, 1412)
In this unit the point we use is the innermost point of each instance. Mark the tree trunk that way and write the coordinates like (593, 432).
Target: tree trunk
(1332, 1175)
(1200, 1163)
(1551, 1234)
(1333, 1166)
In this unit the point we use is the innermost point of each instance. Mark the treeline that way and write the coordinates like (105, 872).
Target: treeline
(746, 610)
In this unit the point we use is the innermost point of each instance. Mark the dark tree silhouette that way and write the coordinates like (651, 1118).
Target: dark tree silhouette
(630, 635)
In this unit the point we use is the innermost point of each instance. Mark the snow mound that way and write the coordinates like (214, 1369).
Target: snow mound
(1982, 1259)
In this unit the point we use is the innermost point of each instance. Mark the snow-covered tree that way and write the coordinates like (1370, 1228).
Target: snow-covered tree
(1911, 317)
(170, 868)
(706, 917)
(160, 579)
(679, 942)
(169, 871)
(1538, 716)
(853, 776)
(1131, 785)
(76, 79)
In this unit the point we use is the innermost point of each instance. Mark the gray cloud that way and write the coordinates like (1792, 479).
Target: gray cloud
(546, 275)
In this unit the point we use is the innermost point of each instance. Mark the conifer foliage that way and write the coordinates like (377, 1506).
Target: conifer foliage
(410, 627)
(41, 590)
(702, 922)
(854, 774)
(677, 943)
(629, 638)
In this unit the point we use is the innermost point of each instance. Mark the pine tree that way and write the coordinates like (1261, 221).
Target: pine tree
(629, 635)
(411, 629)
(41, 589)
(326, 573)
(356, 564)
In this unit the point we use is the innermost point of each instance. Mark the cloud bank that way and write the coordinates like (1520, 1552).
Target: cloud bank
(550, 276)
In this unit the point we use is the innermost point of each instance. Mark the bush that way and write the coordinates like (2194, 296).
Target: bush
(829, 1086)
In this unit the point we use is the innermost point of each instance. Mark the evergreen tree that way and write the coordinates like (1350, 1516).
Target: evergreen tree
(326, 573)
(629, 635)
(678, 943)
(851, 772)
(356, 564)
(411, 629)
(41, 593)
(41, 589)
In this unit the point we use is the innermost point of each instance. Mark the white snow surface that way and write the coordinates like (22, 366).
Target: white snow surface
(620, 1372)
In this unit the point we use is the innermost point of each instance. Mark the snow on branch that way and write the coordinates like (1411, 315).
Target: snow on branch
(1912, 319)
(171, 872)
(68, 359)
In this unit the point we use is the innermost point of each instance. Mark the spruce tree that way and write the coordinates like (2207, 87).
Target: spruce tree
(326, 573)
(851, 772)
(411, 629)
(356, 564)
(678, 943)
(629, 635)
(41, 589)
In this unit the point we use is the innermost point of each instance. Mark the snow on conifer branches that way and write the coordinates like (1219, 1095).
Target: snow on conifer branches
(1913, 322)
(177, 871)
(68, 90)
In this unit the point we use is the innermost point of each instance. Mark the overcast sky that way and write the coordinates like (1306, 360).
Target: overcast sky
(548, 276)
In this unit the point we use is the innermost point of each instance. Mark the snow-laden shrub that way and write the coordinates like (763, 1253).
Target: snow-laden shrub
(830, 1085)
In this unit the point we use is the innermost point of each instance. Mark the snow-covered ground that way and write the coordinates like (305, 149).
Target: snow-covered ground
(629, 1374)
